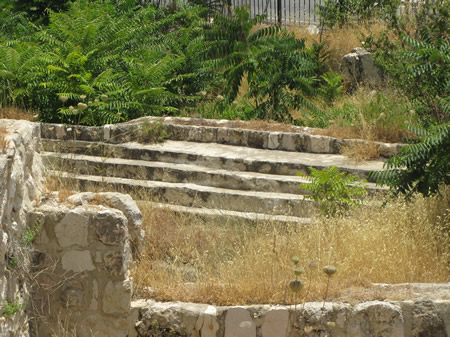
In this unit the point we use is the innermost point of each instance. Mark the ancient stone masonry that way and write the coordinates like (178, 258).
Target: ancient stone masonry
(65, 261)
(21, 180)
(83, 256)
(373, 318)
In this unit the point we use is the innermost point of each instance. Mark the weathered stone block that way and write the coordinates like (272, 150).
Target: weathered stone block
(117, 297)
(111, 227)
(238, 323)
(73, 229)
(77, 261)
(276, 323)
(376, 318)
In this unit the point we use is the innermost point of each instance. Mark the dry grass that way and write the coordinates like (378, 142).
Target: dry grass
(188, 259)
(361, 151)
(15, 113)
(3, 139)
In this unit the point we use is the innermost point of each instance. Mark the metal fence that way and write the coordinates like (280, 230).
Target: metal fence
(286, 12)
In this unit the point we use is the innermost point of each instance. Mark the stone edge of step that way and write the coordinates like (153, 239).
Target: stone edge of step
(300, 141)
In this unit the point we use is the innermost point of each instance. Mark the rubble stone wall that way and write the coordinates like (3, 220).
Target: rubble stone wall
(82, 262)
(21, 181)
(421, 318)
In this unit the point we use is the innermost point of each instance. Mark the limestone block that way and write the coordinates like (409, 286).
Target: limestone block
(276, 323)
(77, 261)
(288, 141)
(117, 297)
(195, 134)
(107, 132)
(73, 229)
(207, 325)
(96, 325)
(376, 318)
(60, 131)
(426, 321)
(319, 144)
(238, 323)
(111, 227)
(114, 263)
(122, 202)
(273, 141)
(258, 139)
(72, 296)
(209, 134)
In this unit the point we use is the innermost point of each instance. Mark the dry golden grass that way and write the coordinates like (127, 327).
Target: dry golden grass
(188, 259)
(361, 151)
(15, 113)
(3, 140)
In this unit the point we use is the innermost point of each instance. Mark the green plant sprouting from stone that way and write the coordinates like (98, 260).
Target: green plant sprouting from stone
(153, 132)
(9, 309)
(30, 234)
(335, 191)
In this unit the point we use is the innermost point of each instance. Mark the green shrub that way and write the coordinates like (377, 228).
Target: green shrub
(422, 166)
(335, 191)
(415, 54)
(278, 71)
(332, 87)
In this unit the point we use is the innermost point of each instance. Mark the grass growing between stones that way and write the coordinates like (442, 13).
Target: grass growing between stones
(189, 259)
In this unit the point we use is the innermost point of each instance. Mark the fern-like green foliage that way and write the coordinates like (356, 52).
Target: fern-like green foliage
(422, 166)
(418, 59)
(427, 64)
(105, 62)
(335, 191)
(278, 70)
(332, 86)
(16, 61)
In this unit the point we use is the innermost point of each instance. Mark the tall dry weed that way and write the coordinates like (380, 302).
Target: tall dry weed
(193, 260)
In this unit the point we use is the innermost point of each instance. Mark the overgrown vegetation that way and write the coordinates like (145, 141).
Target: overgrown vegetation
(236, 263)
(97, 62)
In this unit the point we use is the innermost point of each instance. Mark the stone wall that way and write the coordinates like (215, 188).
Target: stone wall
(21, 181)
(82, 262)
(421, 318)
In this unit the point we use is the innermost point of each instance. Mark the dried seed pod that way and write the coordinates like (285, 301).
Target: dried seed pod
(329, 270)
(299, 271)
(296, 285)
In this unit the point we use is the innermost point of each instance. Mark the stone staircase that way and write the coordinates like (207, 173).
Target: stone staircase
(210, 170)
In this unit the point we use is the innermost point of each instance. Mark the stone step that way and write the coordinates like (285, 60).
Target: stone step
(192, 195)
(240, 133)
(226, 216)
(218, 156)
(173, 173)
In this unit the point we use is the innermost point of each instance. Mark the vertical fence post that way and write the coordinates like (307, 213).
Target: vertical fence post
(279, 11)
